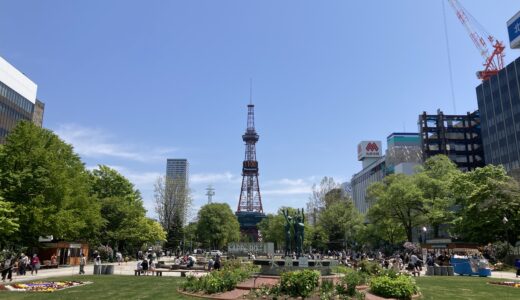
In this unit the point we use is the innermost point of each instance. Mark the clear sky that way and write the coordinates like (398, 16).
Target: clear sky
(131, 83)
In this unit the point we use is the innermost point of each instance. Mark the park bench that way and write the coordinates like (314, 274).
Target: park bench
(183, 272)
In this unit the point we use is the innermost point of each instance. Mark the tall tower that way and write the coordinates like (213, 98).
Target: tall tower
(250, 211)
(210, 193)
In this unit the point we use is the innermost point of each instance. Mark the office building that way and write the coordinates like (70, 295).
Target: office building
(499, 106)
(456, 136)
(17, 100)
(374, 170)
(177, 186)
(403, 153)
(177, 168)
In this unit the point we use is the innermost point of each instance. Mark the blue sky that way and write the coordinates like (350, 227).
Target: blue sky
(131, 83)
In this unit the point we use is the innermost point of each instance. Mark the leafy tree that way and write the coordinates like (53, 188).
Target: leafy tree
(48, 187)
(341, 222)
(217, 225)
(435, 179)
(126, 225)
(399, 199)
(484, 197)
(8, 223)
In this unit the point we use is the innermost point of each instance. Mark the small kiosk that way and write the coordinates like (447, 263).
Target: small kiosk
(66, 253)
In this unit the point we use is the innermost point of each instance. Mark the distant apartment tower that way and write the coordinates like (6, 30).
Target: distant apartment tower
(499, 106)
(17, 100)
(456, 136)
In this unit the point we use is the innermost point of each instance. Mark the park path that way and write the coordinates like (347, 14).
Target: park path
(123, 269)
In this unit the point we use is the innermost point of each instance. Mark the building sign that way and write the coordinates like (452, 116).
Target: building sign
(242, 249)
(369, 149)
(513, 27)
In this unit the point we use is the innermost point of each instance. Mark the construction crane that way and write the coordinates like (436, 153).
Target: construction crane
(494, 61)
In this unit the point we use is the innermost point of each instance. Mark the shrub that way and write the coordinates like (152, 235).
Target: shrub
(218, 281)
(370, 267)
(348, 283)
(299, 283)
(400, 287)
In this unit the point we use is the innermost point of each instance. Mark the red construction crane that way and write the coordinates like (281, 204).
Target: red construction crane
(493, 62)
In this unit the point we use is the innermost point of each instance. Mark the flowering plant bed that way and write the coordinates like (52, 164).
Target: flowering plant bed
(41, 286)
(515, 284)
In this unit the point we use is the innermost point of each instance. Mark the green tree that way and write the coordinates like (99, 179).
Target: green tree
(217, 225)
(435, 180)
(399, 199)
(484, 197)
(341, 222)
(126, 226)
(8, 223)
(47, 186)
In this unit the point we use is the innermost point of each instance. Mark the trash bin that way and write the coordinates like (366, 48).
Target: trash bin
(451, 271)
(97, 269)
(109, 270)
(103, 269)
(437, 270)
(444, 271)
(430, 271)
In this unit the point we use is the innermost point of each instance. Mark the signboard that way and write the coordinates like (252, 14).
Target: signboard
(369, 149)
(242, 249)
(303, 262)
(513, 27)
(438, 241)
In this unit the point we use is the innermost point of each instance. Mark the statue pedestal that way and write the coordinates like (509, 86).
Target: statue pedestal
(277, 267)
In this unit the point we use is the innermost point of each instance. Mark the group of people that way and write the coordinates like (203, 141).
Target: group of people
(20, 265)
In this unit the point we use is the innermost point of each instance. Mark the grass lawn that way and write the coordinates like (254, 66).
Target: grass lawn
(465, 287)
(109, 287)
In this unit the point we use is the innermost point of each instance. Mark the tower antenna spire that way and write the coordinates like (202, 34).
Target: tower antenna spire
(250, 90)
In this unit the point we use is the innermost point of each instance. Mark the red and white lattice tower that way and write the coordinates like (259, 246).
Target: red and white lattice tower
(250, 211)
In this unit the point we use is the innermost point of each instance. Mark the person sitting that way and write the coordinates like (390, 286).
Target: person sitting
(144, 265)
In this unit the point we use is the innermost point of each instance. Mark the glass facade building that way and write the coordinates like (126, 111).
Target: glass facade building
(177, 168)
(499, 106)
(16, 100)
(375, 172)
(456, 136)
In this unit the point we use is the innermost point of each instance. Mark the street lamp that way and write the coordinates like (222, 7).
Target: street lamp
(424, 229)
(505, 220)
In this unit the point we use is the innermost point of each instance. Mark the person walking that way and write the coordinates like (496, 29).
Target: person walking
(35, 264)
(7, 268)
(216, 265)
(97, 262)
(22, 265)
(82, 263)
(517, 265)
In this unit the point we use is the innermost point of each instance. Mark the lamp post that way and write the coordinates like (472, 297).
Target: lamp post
(505, 221)
(424, 230)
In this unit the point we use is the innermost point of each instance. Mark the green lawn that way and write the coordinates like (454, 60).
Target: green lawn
(110, 287)
(148, 287)
(465, 287)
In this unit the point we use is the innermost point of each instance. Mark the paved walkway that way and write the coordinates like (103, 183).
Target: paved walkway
(123, 269)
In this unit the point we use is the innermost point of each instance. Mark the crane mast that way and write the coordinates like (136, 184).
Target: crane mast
(494, 61)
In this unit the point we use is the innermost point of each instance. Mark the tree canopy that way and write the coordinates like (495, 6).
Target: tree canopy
(217, 225)
(48, 187)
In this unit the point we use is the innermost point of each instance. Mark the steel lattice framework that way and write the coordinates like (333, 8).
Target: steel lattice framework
(250, 199)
